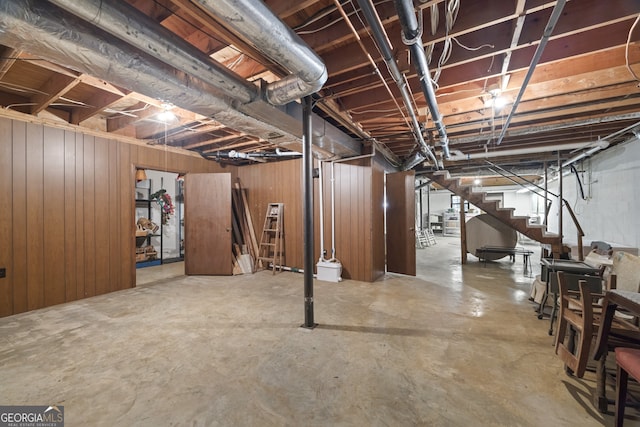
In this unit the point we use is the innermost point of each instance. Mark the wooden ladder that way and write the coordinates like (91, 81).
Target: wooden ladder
(271, 241)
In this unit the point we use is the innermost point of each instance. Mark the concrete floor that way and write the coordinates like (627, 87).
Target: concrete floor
(455, 346)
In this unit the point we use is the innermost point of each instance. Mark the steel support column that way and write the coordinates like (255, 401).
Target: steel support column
(307, 213)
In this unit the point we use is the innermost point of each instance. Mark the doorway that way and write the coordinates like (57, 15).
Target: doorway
(159, 216)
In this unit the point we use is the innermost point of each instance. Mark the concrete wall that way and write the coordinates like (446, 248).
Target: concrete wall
(610, 212)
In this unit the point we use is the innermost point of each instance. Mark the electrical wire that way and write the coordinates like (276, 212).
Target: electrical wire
(578, 181)
(626, 50)
(472, 48)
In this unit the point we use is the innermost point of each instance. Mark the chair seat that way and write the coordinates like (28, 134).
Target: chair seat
(629, 360)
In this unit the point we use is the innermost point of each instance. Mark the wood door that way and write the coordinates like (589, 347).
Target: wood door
(401, 219)
(207, 224)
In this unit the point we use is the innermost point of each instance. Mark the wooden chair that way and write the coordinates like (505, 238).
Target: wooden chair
(580, 317)
(628, 364)
(577, 312)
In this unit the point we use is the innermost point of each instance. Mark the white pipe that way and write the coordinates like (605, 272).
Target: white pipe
(518, 151)
(333, 213)
(589, 152)
(320, 200)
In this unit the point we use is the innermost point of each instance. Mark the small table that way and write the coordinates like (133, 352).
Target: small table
(482, 252)
(552, 266)
(613, 299)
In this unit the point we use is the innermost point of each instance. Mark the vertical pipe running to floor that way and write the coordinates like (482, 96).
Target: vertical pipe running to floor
(307, 213)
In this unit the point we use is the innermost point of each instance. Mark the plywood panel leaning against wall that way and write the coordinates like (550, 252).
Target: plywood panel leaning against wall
(67, 230)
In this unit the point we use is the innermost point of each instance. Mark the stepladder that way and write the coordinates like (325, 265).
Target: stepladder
(270, 250)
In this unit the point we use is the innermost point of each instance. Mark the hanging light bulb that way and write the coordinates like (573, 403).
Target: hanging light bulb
(141, 175)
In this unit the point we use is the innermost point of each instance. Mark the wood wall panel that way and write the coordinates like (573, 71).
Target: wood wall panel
(69, 219)
(282, 182)
(377, 222)
(114, 219)
(79, 211)
(89, 217)
(101, 215)
(6, 219)
(19, 241)
(126, 174)
(35, 216)
(70, 268)
(279, 182)
(53, 219)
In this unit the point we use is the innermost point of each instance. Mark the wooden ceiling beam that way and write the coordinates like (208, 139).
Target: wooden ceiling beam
(98, 103)
(8, 57)
(54, 88)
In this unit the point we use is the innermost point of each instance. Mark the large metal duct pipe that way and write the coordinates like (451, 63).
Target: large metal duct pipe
(412, 36)
(137, 29)
(255, 22)
(382, 41)
(44, 30)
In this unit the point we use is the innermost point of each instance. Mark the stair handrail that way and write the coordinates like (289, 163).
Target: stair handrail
(580, 231)
(578, 227)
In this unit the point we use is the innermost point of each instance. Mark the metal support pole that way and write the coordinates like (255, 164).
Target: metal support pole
(307, 213)
(561, 198)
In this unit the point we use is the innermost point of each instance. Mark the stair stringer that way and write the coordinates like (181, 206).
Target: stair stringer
(521, 224)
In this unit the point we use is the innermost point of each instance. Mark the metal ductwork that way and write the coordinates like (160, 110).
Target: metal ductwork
(127, 23)
(43, 29)
(384, 45)
(255, 22)
(412, 37)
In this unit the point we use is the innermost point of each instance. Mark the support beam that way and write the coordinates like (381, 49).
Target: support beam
(307, 213)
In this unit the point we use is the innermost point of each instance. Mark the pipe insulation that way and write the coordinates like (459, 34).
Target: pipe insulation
(253, 20)
(380, 36)
(43, 29)
(135, 28)
(412, 37)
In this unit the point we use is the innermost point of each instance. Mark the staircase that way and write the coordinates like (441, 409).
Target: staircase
(521, 224)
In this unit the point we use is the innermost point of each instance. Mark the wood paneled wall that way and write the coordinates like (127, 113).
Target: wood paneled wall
(67, 222)
(279, 182)
(359, 194)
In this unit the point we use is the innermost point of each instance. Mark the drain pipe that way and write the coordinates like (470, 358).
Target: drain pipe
(553, 19)
(412, 37)
(256, 22)
(321, 207)
(383, 43)
(531, 150)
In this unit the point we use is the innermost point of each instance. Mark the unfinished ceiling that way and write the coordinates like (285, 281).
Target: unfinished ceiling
(573, 68)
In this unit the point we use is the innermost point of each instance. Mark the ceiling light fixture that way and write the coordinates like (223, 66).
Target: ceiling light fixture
(167, 115)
